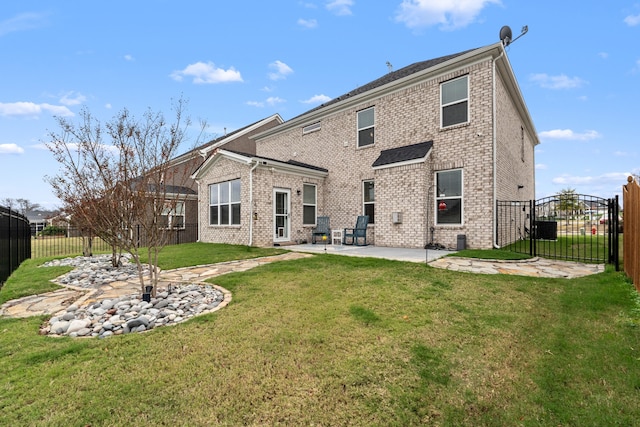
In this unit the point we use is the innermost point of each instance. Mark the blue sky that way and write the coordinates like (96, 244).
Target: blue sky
(235, 63)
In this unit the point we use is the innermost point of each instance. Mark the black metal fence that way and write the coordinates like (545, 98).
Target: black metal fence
(574, 227)
(71, 240)
(15, 241)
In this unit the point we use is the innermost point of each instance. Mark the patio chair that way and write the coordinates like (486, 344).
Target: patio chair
(360, 231)
(322, 229)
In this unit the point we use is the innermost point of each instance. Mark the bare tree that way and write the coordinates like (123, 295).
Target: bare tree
(117, 180)
(20, 205)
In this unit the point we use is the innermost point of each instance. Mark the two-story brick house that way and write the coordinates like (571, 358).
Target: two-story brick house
(425, 151)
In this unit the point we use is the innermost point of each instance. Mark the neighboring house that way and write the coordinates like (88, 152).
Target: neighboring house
(38, 220)
(425, 151)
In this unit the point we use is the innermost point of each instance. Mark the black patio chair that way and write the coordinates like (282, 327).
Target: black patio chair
(358, 232)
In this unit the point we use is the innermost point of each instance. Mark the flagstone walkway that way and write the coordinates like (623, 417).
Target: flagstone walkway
(535, 267)
(56, 301)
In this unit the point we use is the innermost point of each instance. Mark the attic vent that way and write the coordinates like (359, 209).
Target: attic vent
(311, 128)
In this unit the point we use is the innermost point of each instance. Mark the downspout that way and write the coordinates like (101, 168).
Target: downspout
(198, 205)
(251, 203)
(495, 151)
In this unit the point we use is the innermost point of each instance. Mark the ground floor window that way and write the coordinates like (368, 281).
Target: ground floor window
(369, 200)
(449, 197)
(309, 204)
(172, 215)
(224, 203)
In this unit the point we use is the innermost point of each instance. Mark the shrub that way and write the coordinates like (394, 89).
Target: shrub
(52, 230)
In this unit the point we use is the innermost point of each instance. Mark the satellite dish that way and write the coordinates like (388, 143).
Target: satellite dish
(506, 35)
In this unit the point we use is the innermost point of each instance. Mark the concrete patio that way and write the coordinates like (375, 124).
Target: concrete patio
(398, 254)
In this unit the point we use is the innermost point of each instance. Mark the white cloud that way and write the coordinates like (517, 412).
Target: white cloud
(282, 70)
(340, 7)
(570, 135)
(11, 149)
(271, 101)
(274, 100)
(108, 106)
(606, 178)
(624, 154)
(541, 166)
(72, 98)
(21, 22)
(32, 109)
(207, 73)
(557, 82)
(308, 23)
(317, 99)
(632, 20)
(449, 14)
(603, 55)
(129, 58)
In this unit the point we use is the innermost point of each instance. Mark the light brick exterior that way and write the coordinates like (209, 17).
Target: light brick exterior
(404, 115)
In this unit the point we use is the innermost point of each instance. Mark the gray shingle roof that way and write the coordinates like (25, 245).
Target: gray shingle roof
(390, 77)
(403, 154)
(290, 162)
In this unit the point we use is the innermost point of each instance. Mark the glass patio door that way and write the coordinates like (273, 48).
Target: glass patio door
(281, 215)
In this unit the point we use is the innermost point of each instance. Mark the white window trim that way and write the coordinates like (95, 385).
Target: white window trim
(369, 203)
(358, 128)
(230, 204)
(315, 205)
(171, 215)
(466, 76)
(437, 197)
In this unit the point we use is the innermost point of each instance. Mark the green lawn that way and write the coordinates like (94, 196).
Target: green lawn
(333, 340)
(585, 248)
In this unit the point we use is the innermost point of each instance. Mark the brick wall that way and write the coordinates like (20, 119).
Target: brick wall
(405, 117)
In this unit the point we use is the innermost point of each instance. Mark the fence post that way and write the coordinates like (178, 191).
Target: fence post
(532, 229)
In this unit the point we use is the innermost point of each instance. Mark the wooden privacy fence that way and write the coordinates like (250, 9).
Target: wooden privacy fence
(631, 203)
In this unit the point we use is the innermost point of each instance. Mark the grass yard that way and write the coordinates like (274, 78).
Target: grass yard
(587, 248)
(333, 340)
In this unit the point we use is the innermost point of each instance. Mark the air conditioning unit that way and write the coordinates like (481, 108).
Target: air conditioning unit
(396, 217)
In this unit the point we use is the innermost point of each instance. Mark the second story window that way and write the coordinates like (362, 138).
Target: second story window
(366, 132)
(454, 101)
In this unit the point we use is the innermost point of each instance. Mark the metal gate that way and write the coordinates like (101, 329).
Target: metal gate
(566, 226)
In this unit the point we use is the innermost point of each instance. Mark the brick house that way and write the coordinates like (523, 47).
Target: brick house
(425, 151)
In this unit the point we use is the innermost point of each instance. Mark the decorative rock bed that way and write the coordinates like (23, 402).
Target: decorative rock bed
(128, 313)
(131, 314)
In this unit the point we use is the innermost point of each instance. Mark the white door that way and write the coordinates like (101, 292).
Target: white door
(281, 215)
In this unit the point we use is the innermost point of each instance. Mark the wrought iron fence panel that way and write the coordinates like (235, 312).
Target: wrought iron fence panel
(569, 226)
(71, 240)
(15, 241)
